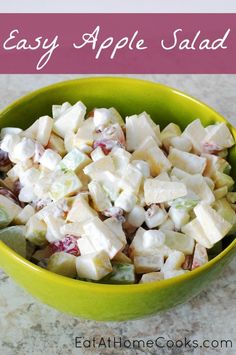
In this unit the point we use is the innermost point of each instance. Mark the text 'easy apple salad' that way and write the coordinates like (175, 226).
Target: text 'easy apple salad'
(96, 198)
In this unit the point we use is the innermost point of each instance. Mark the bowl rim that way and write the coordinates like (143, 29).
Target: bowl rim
(155, 285)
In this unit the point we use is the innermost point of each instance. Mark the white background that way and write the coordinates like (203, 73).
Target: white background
(118, 6)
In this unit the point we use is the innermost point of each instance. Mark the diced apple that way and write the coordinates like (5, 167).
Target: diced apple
(14, 238)
(197, 134)
(46, 179)
(58, 110)
(179, 241)
(179, 173)
(220, 135)
(222, 179)
(31, 132)
(93, 266)
(215, 163)
(224, 208)
(45, 124)
(170, 131)
(99, 197)
(54, 225)
(168, 224)
(86, 133)
(221, 192)
(157, 160)
(75, 228)
(195, 230)
(188, 162)
(8, 211)
(99, 166)
(126, 200)
(116, 117)
(121, 159)
(56, 209)
(148, 143)
(137, 127)
(9, 142)
(70, 120)
(153, 239)
(136, 246)
(200, 256)
(198, 185)
(112, 135)
(131, 179)
(122, 258)
(209, 182)
(231, 197)
(179, 216)
(24, 215)
(29, 177)
(116, 227)
(50, 159)
(69, 141)
(156, 191)
(23, 151)
(174, 261)
(150, 263)
(102, 237)
(9, 130)
(151, 277)
(63, 264)
(27, 194)
(36, 231)
(181, 143)
(56, 143)
(101, 117)
(97, 154)
(80, 211)
(65, 184)
(163, 177)
(136, 216)
(75, 160)
(213, 224)
(147, 242)
(18, 169)
(85, 246)
(155, 216)
(110, 183)
(142, 166)
(169, 274)
(41, 254)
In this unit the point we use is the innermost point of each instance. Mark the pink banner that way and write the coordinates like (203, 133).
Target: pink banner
(118, 43)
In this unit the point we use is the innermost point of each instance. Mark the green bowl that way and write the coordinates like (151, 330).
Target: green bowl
(113, 302)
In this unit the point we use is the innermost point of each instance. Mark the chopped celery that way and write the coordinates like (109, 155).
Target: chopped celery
(122, 274)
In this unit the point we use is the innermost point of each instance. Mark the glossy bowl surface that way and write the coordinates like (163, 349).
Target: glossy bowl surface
(112, 302)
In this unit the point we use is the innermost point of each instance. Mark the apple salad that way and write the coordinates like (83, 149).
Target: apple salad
(94, 197)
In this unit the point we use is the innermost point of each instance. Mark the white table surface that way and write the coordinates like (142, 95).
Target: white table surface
(28, 327)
